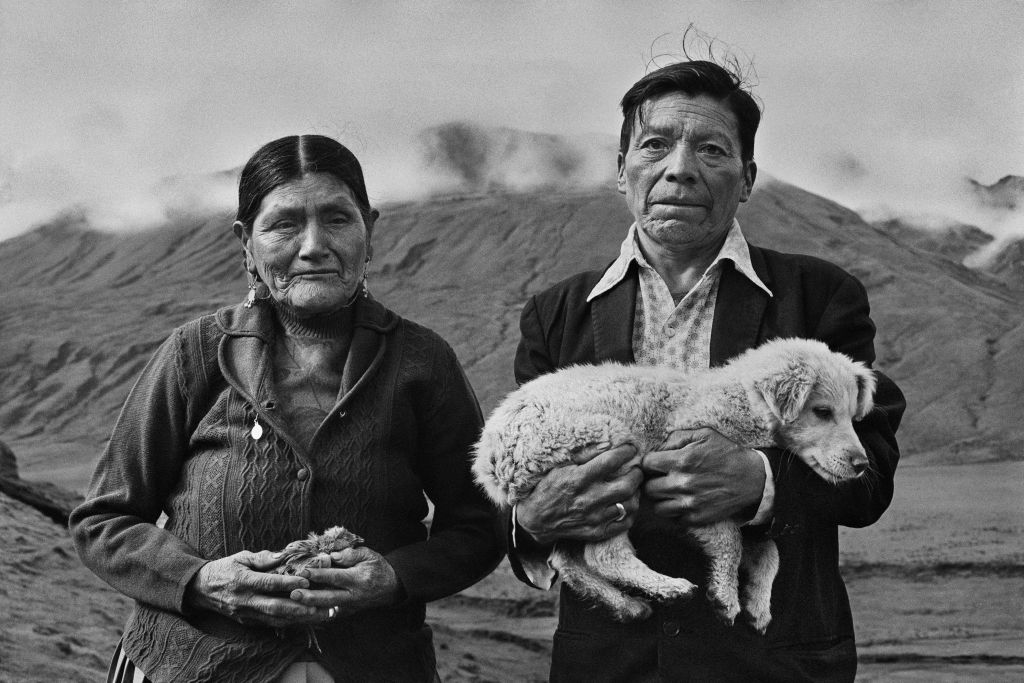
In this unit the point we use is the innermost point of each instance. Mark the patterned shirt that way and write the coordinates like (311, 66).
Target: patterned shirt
(664, 332)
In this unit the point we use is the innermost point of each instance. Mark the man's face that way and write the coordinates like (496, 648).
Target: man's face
(682, 173)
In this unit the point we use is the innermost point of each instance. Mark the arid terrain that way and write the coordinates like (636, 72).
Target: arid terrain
(937, 585)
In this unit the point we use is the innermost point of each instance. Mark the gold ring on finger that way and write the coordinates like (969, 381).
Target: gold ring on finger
(622, 512)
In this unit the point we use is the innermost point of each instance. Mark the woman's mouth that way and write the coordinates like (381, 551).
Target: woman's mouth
(283, 281)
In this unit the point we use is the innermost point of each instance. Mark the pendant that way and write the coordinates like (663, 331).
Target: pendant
(257, 431)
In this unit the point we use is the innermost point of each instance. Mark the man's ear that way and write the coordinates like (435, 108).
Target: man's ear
(749, 176)
(620, 175)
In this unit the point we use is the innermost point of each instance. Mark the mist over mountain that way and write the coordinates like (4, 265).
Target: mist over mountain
(464, 156)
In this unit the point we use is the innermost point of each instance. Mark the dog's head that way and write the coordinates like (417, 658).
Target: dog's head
(816, 395)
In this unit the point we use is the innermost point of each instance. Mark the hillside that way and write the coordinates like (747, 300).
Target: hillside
(84, 309)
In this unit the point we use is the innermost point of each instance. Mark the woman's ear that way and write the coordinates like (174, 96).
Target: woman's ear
(371, 220)
(244, 235)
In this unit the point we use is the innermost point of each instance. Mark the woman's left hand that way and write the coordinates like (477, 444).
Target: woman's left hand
(358, 579)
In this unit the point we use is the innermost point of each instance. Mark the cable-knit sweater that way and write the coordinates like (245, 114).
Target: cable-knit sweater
(184, 444)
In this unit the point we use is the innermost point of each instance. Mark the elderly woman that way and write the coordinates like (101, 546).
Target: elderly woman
(308, 406)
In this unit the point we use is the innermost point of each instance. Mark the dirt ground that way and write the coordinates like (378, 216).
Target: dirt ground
(937, 589)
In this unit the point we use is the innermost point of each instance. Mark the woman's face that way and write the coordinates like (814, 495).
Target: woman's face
(309, 244)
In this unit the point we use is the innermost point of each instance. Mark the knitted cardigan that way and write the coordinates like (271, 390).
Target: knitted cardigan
(403, 425)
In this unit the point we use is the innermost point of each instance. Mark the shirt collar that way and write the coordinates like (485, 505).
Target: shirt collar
(734, 249)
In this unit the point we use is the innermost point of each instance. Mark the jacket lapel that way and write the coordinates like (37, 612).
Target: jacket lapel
(612, 314)
(369, 342)
(739, 310)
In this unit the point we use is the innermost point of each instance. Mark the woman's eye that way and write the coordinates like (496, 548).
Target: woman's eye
(337, 219)
(823, 413)
(654, 145)
(286, 224)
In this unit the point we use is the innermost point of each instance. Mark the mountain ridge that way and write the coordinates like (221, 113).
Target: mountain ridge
(87, 308)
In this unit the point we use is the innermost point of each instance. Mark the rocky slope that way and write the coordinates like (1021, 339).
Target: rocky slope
(83, 309)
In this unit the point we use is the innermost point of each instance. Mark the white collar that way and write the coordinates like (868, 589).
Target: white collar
(734, 249)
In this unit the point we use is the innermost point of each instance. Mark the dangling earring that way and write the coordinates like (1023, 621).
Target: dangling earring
(251, 298)
(366, 292)
(255, 285)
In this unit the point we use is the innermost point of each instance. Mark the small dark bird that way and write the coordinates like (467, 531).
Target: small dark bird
(314, 552)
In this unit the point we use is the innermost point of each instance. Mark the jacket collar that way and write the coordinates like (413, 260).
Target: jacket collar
(613, 313)
(245, 353)
(739, 310)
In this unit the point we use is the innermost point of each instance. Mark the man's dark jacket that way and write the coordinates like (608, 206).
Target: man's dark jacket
(810, 637)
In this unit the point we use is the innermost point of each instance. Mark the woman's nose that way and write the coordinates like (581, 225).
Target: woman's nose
(314, 240)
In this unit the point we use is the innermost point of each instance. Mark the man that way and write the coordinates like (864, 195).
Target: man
(688, 291)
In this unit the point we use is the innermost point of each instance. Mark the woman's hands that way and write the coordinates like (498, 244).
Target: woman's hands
(238, 586)
(358, 579)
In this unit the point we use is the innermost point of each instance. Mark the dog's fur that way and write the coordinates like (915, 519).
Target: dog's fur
(792, 393)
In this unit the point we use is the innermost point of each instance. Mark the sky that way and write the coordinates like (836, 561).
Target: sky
(884, 106)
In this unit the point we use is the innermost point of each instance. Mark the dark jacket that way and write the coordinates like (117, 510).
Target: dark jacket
(403, 425)
(810, 637)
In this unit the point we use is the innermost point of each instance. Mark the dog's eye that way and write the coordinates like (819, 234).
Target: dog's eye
(823, 413)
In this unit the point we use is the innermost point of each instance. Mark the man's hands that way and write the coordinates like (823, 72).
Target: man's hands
(577, 501)
(239, 587)
(701, 477)
(698, 477)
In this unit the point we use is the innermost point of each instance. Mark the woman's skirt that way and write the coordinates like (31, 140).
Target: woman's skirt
(123, 671)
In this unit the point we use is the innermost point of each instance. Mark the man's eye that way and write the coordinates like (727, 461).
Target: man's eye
(822, 413)
(713, 150)
(286, 224)
(654, 145)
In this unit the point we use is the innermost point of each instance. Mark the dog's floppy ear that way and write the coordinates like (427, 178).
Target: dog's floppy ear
(786, 391)
(865, 391)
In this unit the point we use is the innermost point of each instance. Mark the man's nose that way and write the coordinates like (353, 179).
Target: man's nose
(682, 164)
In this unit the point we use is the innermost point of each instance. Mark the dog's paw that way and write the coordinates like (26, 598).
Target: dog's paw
(632, 609)
(760, 621)
(673, 590)
(725, 609)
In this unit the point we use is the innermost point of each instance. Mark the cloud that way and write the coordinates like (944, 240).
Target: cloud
(867, 103)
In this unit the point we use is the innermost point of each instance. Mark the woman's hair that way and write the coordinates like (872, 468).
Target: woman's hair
(289, 158)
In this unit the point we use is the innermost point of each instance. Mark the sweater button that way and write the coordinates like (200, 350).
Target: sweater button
(302, 475)
(670, 628)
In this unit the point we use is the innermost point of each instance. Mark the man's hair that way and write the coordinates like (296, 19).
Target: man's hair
(693, 78)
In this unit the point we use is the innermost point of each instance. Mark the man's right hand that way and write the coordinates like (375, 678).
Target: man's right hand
(578, 500)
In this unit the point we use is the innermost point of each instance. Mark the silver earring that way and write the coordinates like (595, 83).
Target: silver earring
(255, 285)
(250, 299)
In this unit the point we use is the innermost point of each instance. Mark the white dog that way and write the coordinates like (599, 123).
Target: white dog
(792, 393)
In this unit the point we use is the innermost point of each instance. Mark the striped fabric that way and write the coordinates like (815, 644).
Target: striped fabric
(123, 671)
